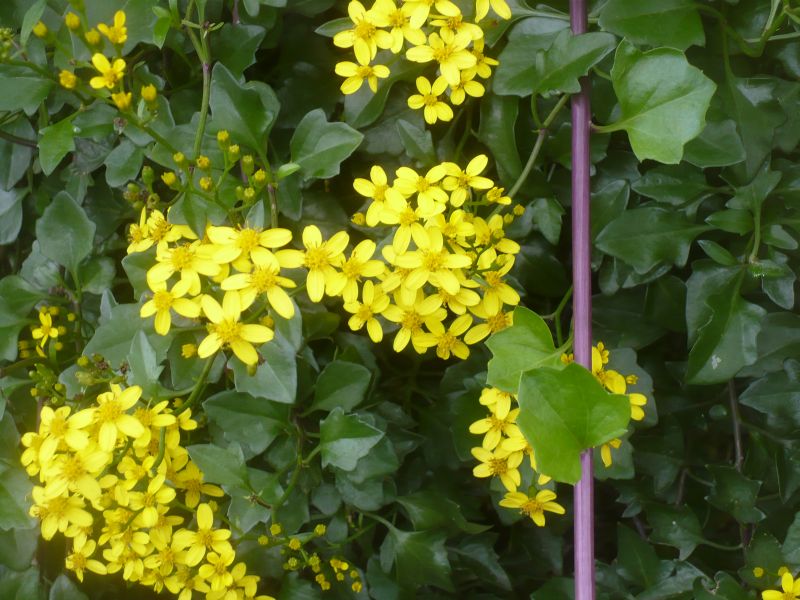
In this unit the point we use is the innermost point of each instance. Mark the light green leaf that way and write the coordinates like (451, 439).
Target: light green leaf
(417, 142)
(673, 23)
(15, 490)
(10, 215)
(565, 411)
(320, 147)
(663, 101)
(14, 157)
(650, 236)
(496, 130)
(275, 378)
(251, 422)
(342, 384)
(718, 145)
(65, 589)
(32, 16)
(55, 142)
(346, 438)
(23, 89)
(123, 163)
(527, 344)
(145, 367)
(112, 339)
(65, 233)
(220, 465)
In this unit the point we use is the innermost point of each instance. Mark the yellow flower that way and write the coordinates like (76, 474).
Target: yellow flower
(40, 30)
(421, 9)
(216, 571)
(227, 330)
(190, 479)
(499, 463)
(499, 423)
(149, 93)
(494, 321)
(356, 74)
(116, 33)
(56, 426)
(67, 79)
(320, 259)
(78, 560)
(110, 73)
(459, 182)
(605, 451)
(246, 244)
(189, 260)
(483, 64)
(400, 21)
(72, 21)
(364, 37)
(449, 50)
(92, 37)
(58, 513)
(122, 100)
(432, 263)
(360, 264)
(184, 582)
(496, 292)
(637, 402)
(411, 317)
(498, 6)
(204, 538)
(265, 278)
(426, 187)
(46, 330)
(790, 587)
(428, 97)
(446, 340)
(163, 300)
(467, 86)
(533, 507)
(145, 503)
(112, 418)
(373, 302)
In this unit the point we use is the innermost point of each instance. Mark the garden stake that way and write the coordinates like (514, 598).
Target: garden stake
(582, 312)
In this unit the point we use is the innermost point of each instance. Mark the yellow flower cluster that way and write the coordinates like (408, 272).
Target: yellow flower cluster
(444, 259)
(501, 455)
(615, 383)
(47, 333)
(437, 32)
(108, 479)
(504, 446)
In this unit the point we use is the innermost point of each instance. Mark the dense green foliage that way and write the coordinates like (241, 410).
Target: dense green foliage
(695, 226)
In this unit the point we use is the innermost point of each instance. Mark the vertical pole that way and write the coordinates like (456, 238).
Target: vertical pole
(582, 312)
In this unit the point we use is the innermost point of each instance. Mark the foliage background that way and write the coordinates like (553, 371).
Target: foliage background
(695, 276)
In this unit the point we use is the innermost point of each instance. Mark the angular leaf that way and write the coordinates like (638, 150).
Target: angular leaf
(637, 560)
(342, 384)
(663, 101)
(735, 494)
(275, 378)
(65, 233)
(569, 58)
(219, 465)
(320, 147)
(718, 145)
(675, 526)
(55, 142)
(673, 23)
(346, 438)
(563, 412)
(420, 558)
(251, 422)
(23, 89)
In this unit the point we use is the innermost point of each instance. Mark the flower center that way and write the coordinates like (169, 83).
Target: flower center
(498, 466)
(352, 268)
(411, 321)
(497, 322)
(364, 71)
(182, 257)
(316, 258)
(432, 261)
(446, 342)
(263, 279)
(430, 99)
(109, 411)
(248, 240)
(530, 507)
(162, 300)
(364, 29)
(408, 216)
(228, 330)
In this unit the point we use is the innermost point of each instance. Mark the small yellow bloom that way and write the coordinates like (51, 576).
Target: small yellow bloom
(67, 79)
(428, 97)
(449, 50)
(45, 331)
(72, 21)
(40, 30)
(789, 586)
(356, 74)
(188, 350)
(149, 93)
(499, 463)
(116, 33)
(758, 572)
(227, 330)
(110, 73)
(92, 37)
(164, 300)
(373, 303)
(365, 37)
(122, 100)
(533, 507)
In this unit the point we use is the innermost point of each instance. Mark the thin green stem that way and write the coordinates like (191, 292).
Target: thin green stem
(273, 204)
(198, 387)
(538, 145)
(756, 236)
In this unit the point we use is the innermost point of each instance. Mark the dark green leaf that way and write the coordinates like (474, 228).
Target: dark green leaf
(420, 558)
(778, 397)
(251, 422)
(65, 589)
(10, 215)
(516, 73)
(346, 438)
(341, 384)
(123, 163)
(145, 366)
(637, 560)
(15, 157)
(417, 142)
(547, 213)
(15, 490)
(663, 101)
(55, 142)
(236, 45)
(717, 253)
(675, 526)
(220, 465)
(319, 147)
(673, 23)
(752, 195)
(563, 412)
(648, 237)
(65, 233)
(275, 378)
(672, 184)
(570, 57)
(112, 339)
(496, 130)
(732, 221)
(735, 494)
(718, 145)
(23, 89)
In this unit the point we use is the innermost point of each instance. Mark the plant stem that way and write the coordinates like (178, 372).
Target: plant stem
(197, 386)
(537, 146)
(737, 430)
(17, 140)
(206, 59)
(273, 204)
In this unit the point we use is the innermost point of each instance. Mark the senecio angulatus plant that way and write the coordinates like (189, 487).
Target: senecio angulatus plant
(286, 286)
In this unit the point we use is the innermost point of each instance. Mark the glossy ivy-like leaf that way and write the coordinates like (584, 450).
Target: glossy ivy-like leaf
(672, 184)
(673, 23)
(570, 57)
(636, 559)
(23, 89)
(341, 383)
(224, 466)
(663, 101)
(565, 411)
(526, 345)
(675, 526)
(55, 142)
(320, 147)
(251, 422)
(65, 233)
(735, 494)
(649, 236)
(345, 438)
(718, 145)
(275, 378)
(419, 557)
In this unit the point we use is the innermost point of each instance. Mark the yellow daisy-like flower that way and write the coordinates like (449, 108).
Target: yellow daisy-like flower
(122, 100)
(46, 329)
(533, 507)
(499, 463)
(320, 259)
(466, 87)
(216, 570)
(790, 589)
(447, 49)
(110, 73)
(242, 246)
(375, 188)
(357, 74)
(365, 37)
(428, 98)
(116, 33)
(189, 260)
(227, 330)
(499, 423)
(264, 278)
(359, 265)
(373, 302)
(459, 182)
(605, 451)
(203, 538)
(500, 7)
(78, 560)
(432, 263)
(58, 513)
(447, 340)
(56, 426)
(483, 64)
(164, 300)
(427, 187)
(112, 418)
(422, 8)
(494, 321)
(401, 23)
(190, 479)
(411, 317)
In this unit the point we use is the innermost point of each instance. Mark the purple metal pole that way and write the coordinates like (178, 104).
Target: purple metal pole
(582, 312)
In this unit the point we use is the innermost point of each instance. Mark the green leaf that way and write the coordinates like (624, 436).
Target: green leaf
(251, 422)
(275, 378)
(320, 147)
(220, 465)
(527, 344)
(663, 101)
(112, 339)
(566, 411)
(10, 215)
(417, 142)
(23, 89)
(247, 111)
(123, 163)
(727, 342)
(420, 558)
(236, 45)
(496, 130)
(718, 145)
(15, 490)
(65, 589)
(791, 543)
(778, 340)
(346, 438)
(777, 396)
(55, 142)
(717, 253)
(547, 213)
(672, 184)
(65, 233)
(636, 559)
(732, 221)
(342, 384)
(570, 57)
(724, 587)
(14, 157)
(32, 16)
(145, 367)
(673, 23)
(675, 526)
(364, 107)
(752, 195)
(431, 510)
(648, 237)
(735, 494)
